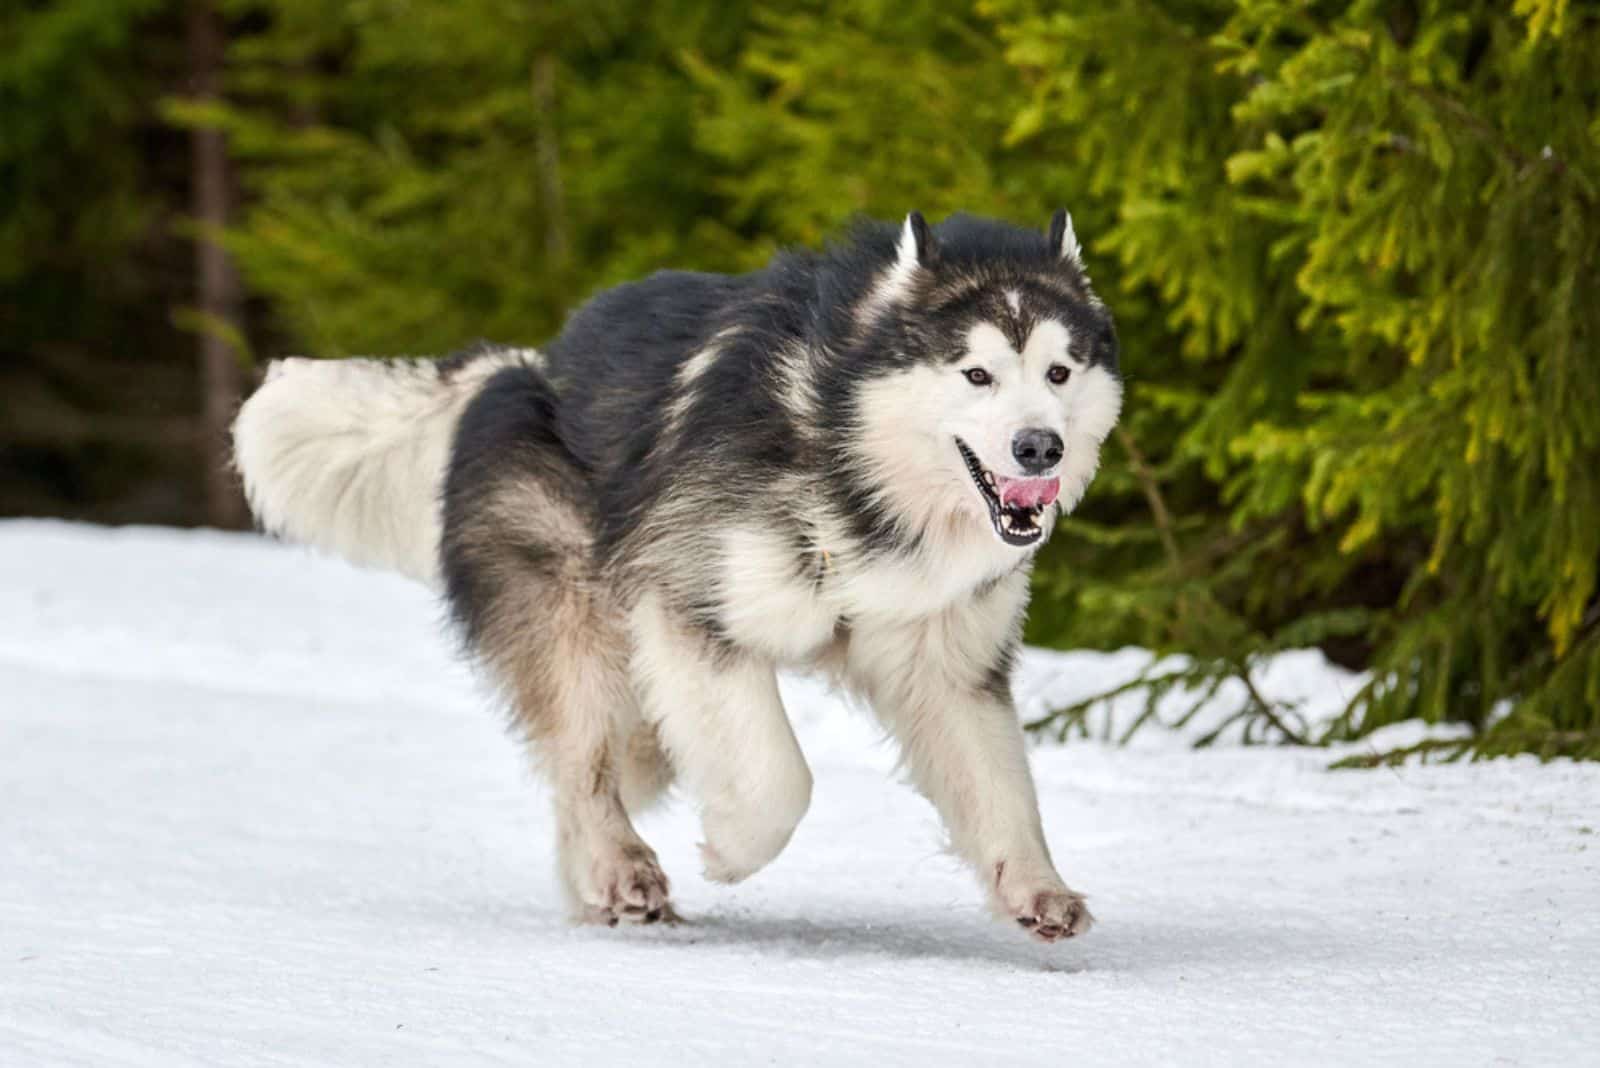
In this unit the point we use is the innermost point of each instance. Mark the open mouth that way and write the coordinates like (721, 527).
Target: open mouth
(1015, 504)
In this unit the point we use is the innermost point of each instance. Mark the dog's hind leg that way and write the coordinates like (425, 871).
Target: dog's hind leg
(608, 871)
(719, 717)
(559, 652)
(518, 573)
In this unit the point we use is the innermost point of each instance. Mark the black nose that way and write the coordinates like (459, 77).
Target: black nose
(1036, 450)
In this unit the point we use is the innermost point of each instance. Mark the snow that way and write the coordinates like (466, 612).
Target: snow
(253, 810)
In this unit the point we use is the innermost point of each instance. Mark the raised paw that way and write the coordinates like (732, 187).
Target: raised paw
(741, 841)
(1044, 907)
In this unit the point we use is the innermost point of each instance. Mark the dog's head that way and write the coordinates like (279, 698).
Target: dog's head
(999, 382)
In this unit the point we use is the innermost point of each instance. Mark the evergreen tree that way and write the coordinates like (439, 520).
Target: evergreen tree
(96, 382)
(424, 175)
(1351, 248)
(1373, 231)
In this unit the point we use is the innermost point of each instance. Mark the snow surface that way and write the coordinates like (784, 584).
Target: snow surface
(253, 810)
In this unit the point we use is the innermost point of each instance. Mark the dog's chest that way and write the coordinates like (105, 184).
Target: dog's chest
(791, 604)
(909, 589)
(773, 595)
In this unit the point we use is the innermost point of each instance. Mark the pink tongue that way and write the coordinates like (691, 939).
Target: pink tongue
(1028, 492)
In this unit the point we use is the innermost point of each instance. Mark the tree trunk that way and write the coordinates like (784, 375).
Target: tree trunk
(548, 158)
(213, 196)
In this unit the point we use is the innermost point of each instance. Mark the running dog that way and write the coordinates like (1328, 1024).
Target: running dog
(844, 463)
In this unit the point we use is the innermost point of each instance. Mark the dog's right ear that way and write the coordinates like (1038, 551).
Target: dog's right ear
(1064, 240)
(916, 247)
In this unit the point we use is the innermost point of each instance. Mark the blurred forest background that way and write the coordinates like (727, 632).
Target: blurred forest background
(1352, 249)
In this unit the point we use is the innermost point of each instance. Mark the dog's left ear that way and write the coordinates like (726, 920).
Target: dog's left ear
(1063, 241)
(916, 247)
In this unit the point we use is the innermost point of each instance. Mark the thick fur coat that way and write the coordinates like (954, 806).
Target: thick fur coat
(843, 463)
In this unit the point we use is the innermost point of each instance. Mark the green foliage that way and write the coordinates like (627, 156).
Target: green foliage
(95, 382)
(424, 175)
(1350, 247)
(66, 80)
(1386, 246)
(1353, 248)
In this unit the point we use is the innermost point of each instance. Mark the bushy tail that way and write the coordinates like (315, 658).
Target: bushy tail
(351, 455)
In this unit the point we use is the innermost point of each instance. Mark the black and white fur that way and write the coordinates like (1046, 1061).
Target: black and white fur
(707, 478)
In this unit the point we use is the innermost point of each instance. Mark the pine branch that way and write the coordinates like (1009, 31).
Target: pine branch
(1152, 494)
(1265, 708)
(1162, 515)
(1453, 749)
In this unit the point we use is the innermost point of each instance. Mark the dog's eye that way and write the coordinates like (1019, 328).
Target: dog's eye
(977, 376)
(1058, 373)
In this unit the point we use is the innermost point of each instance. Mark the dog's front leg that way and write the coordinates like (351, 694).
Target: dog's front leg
(717, 712)
(962, 743)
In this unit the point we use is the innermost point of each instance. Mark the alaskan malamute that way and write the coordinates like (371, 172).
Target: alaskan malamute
(844, 462)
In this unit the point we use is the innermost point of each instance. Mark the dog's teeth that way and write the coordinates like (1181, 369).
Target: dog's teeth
(988, 476)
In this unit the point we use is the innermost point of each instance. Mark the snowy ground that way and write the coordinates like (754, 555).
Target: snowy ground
(252, 811)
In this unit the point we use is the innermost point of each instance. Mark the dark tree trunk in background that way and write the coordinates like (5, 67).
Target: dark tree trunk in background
(548, 155)
(213, 198)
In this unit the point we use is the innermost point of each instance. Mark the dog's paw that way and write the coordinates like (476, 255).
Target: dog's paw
(606, 917)
(1045, 907)
(729, 868)
(716, 867)
(741, 843)
(1055, 914)
(733, 858)
(627, 886)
